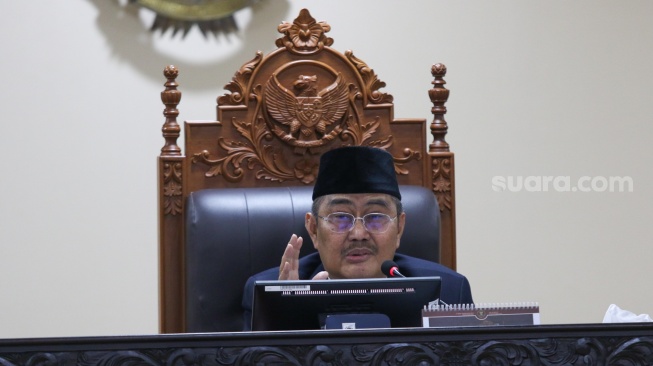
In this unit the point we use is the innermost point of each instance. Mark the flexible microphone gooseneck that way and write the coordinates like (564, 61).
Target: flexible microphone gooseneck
(390, 269)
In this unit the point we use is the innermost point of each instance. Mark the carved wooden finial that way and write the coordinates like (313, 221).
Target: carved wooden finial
(304, 35)
(171, 97)
(439, 96)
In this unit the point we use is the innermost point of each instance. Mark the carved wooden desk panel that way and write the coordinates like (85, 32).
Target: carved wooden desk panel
(586, 344)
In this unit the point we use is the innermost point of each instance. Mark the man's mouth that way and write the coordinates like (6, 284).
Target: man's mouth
(359, 254)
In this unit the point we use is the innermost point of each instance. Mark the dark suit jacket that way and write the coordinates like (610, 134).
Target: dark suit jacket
(455, 287)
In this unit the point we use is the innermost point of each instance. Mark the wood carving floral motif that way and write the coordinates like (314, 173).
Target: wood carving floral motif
(372, 82)
(304, 35)
(442, 182)
(240, 155)
(172, 188)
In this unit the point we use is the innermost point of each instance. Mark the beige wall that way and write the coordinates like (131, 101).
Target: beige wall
(553, 88)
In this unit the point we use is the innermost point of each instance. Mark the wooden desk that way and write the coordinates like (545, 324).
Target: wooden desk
(584, 344)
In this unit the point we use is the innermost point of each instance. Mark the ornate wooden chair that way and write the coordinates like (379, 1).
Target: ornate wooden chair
(282, 111)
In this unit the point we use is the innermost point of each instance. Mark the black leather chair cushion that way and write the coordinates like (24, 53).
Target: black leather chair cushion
(232, 234)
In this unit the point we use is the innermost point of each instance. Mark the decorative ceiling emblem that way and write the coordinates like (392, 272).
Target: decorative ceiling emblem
(210, 16)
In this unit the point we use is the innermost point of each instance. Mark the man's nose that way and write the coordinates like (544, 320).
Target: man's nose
(358, 231)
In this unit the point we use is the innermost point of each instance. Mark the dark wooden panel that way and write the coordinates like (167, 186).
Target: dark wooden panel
(589, 344)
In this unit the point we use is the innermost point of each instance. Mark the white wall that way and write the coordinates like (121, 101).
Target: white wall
(553, 88)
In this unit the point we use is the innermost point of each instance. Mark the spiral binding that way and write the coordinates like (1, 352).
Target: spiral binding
(440, 306)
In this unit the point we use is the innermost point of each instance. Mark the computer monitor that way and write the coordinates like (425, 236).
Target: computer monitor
(305, 304)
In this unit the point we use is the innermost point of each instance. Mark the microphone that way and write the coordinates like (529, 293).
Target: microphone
(390, 269)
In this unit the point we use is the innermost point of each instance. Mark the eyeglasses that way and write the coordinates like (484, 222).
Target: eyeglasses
(342, 222)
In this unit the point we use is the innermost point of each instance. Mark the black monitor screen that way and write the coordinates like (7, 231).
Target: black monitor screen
(295, 305)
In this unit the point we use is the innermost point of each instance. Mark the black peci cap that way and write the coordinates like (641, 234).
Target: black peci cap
(356, 169)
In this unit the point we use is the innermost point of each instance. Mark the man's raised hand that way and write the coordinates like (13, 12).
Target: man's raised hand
(289, 268)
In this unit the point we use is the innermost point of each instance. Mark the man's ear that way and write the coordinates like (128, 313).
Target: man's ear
(311, 226)
(401, 223)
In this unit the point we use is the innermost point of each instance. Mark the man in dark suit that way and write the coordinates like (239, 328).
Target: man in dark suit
(355, 225)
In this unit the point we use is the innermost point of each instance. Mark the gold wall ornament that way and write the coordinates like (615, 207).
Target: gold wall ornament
(210, 16)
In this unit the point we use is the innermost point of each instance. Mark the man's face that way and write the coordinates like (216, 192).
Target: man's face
(356, 253)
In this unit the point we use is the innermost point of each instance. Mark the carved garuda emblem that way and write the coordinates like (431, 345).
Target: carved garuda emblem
(306, 113)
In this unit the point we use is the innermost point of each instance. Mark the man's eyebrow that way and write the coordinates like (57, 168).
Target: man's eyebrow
(372, 202)
(340, 201)
(379, 202)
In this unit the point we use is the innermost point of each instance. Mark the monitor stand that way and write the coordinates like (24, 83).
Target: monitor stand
(356, 321)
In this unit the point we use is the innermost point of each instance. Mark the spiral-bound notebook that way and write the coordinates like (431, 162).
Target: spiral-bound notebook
(468, 315)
